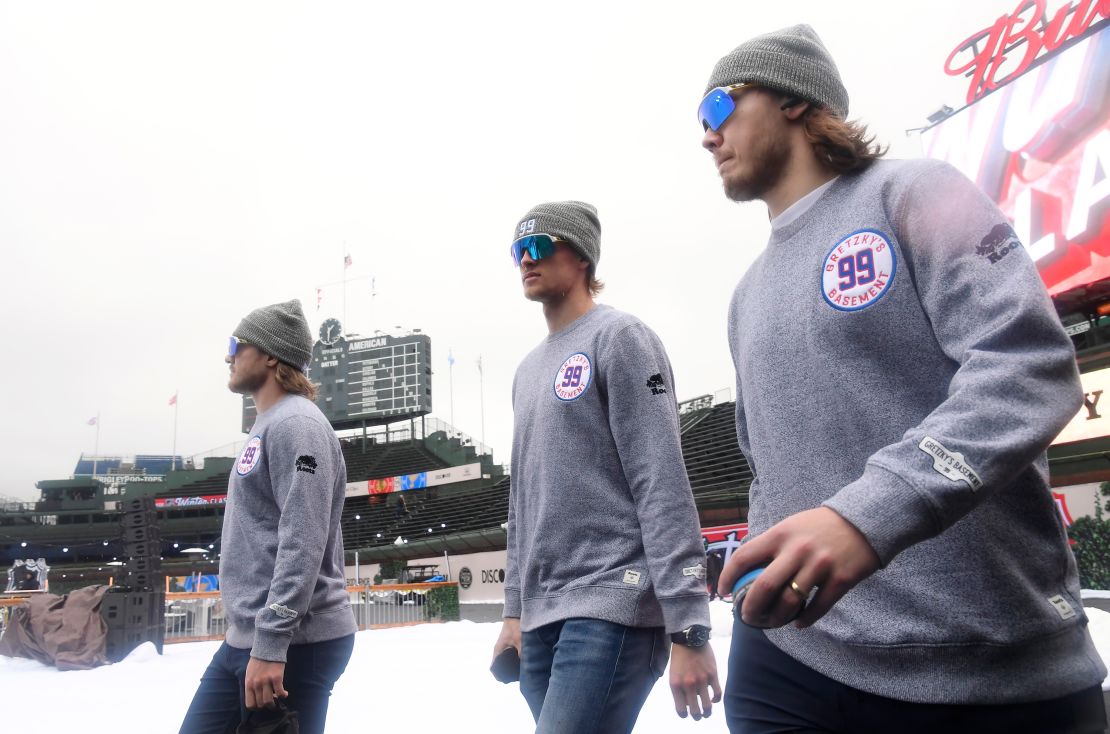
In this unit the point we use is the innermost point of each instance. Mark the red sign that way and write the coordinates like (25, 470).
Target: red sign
(383, 486)
(1040, 148)
(723, 540)
(1027, 31)
(725, 533)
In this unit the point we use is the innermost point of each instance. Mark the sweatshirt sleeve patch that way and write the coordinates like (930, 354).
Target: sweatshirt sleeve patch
(306, 464)
(283, 611)
(999, 242)
(950, 464)
(656, 384)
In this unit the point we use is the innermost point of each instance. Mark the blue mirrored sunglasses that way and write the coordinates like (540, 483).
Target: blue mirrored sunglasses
(233, 345)
(538, 246)
(718, 105)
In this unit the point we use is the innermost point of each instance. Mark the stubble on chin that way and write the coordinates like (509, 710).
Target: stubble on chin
(242, 386)
(739, 191)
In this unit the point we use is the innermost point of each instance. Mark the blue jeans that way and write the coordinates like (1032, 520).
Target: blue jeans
(587, 675)
(769, 692)
(311, 670)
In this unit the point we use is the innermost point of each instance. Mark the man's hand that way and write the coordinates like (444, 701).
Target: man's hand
(693, 672)
(264, 682)
(813, 549)
(509, 637)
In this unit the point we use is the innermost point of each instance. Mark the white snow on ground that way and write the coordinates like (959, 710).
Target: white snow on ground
(432, 677)
(415, 679)
(1100, 633)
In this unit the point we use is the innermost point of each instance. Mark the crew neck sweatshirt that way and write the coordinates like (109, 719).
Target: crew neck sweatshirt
(899, 361)
(282, 577)
(602, 522)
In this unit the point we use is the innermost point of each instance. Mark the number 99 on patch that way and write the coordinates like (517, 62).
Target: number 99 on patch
(573, 377)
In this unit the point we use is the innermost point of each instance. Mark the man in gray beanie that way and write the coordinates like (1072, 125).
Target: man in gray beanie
(605, 563)
(906, 525)
(282, 582)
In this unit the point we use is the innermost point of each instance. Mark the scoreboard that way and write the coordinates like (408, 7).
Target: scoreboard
(366, 381)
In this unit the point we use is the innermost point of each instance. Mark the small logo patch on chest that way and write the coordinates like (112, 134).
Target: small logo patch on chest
(250, 457)
(858, 270)
(573, 377)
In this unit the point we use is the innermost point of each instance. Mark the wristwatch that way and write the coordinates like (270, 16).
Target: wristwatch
(696, 635)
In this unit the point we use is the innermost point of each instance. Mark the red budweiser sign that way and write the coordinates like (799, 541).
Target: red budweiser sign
(1039, 146)
(998, 53)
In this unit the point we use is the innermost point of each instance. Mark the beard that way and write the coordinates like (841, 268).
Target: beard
(246, 384)
(766, 166)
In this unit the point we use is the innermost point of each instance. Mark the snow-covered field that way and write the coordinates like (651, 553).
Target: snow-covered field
(413, 679)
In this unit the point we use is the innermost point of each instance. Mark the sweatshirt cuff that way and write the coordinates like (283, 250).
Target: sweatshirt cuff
(679, 612)
(890, 513)
(512, 604)
(270, 646)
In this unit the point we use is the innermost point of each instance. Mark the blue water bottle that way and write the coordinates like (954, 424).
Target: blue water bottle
(740, 588)
(740, 591)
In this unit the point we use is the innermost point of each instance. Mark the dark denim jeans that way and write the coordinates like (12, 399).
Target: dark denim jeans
(310, 672)
(769, 692)
(587, 675)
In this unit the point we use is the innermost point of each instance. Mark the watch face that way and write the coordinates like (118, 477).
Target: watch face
(330, 331)
(697, 635)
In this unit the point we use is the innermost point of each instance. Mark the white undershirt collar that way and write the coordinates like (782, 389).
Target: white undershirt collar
(801, 206)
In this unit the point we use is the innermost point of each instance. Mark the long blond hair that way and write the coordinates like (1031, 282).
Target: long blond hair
(295, 382)
(843, 145)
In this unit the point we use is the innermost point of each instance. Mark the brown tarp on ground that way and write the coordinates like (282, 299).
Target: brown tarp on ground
(65, 631)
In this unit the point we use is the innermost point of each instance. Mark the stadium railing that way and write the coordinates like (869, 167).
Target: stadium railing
(199, 616)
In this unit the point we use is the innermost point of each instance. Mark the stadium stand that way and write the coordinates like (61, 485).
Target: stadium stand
(142, 464)
(718, 472)
(461, 517)
(103, 466)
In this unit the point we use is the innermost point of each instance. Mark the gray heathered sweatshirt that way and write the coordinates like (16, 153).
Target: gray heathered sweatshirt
(899, 361)
(282, 577)
(602, 522)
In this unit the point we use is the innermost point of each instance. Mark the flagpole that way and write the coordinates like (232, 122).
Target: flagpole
(345, 324)
(173, 456)
(451, 385)
(96, 450)
(482, 397)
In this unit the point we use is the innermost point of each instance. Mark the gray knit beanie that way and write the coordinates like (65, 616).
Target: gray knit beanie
(792, 60)
(280, 331)
(573, 221)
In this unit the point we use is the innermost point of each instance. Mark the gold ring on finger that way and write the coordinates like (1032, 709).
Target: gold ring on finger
(802, 593)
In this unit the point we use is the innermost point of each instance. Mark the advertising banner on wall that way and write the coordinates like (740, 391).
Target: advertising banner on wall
(420, 480)
(1036, 137)
(1090, 421)
(208, 500)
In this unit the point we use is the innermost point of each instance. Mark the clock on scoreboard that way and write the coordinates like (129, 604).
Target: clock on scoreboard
(366, 380)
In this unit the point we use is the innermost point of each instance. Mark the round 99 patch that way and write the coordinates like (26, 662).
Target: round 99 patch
(858, 270)
(573, 377)
(252, 452)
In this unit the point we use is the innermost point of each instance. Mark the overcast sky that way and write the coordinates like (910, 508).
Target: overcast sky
(165, 168)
